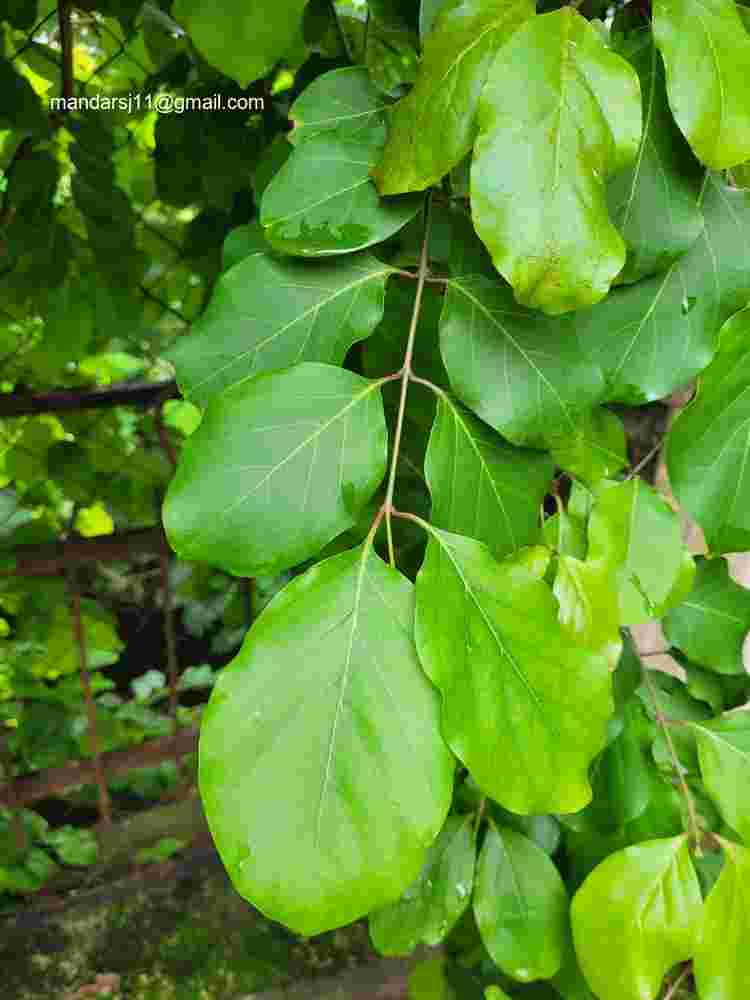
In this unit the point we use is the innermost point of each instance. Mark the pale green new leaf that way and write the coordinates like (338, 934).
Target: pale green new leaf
(431, 906)
(721, 965)
(654, 203)
(637, 535)
(434, 126)
(708, 446)
(268, 313)
(637, 915)
(242, 38)
(710, 626)
(279, 466)
(586, 593)
(565, 533)
(480, 485)
(561, 113)
(521, 906)
(326, 688)
(323, 200)
(525, 706)
(706, 51)
(595, 450)
(654, 336)
(521, 372)
(343, 100)
(724, 757)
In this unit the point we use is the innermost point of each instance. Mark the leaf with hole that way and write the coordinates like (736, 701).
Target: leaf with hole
(327, 687)
(279, 466)
(525, 706)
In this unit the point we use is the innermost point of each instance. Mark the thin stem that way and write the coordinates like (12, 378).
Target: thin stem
(406, 375)
(678, 982)
(105, 809)
(644, 461)
(480, 812)
(66, 46)
(694, 827)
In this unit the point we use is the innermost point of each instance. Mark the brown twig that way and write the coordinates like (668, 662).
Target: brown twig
(105, 808)
(28, 404)
(59, 557)
(59, 780)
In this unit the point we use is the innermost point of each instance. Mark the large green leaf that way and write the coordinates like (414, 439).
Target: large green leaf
(522, 373)
(654, 203)
(480, 485)
(434, 126)
(433, 903)
(343, 100)
(525, 707)
(721, 965)
(323, 200)
(710, 626)
(242, 38)
(621, 778)
(708, 446)
(562, 113)
(325, 690)
(279, 466)
(654, 336)
(637, 535)
(521, 906)
(706, 51)
(268, 313)
(636, 915)
(724, 755)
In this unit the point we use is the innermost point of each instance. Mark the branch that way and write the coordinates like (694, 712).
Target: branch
(27, 404)
(66, 46)
(57, 557)
(58, 780)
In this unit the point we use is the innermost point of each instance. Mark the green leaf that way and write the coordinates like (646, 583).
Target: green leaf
(267, 314)
(645, 903)
(434, 126)
(637, 535)
(706, 52)
(279, 466)
(724, 755)
(521, 906)
(566, 534)
(73, 846)
(522, 373)
(481, 486)
(586, 593)
(652, 337)
(621, 779)
(323, 200)
(242, 39)
(654, 203)
(516, 688)
(242, 242)
(708, 445)
(391, 43)
(711, 624)
(326, 688)
(562, 113)
(343, 100)
(22, 110)
(595, 450)
(721, 965)
(703, 685)
(94, 521)
(432, 905)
